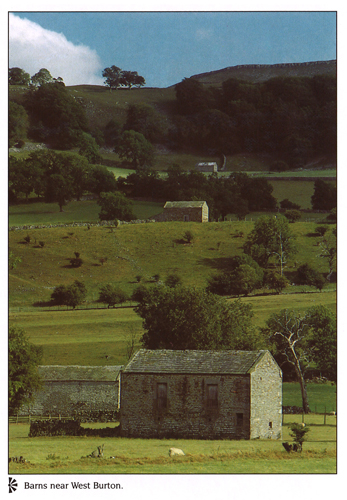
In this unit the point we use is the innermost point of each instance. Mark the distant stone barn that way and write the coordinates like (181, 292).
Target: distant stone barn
(201, 395)
(208, 166)
(187, 211)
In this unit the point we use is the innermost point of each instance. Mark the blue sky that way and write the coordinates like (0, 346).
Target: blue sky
(164, 47)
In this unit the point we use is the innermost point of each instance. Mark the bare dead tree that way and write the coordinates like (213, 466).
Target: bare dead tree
(290, 333)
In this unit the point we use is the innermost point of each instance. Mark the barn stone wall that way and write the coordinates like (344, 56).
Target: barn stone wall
(83, 399)
(187, 414)
(189, 214)
(266, 399)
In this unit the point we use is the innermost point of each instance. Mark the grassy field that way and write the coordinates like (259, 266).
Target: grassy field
(144, 249)
(64, 455)
(83, 337)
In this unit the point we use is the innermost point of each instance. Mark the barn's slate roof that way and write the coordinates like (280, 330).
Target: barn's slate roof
(76, 372)
(194, 362)
(184, 204)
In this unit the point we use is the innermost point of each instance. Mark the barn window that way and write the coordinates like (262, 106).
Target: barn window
(270, 425)
(212, 396)
(239, 419)
(162, 396)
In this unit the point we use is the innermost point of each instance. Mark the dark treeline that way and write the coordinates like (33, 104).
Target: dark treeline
(57, 177)
(291, 119)
(237, 194)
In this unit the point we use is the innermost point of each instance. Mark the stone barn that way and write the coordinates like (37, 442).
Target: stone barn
(201, 395)
(90, 392)
(187, 211)
(208, 166)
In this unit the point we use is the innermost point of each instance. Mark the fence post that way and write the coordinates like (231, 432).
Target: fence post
(325, 415)
(303, 417)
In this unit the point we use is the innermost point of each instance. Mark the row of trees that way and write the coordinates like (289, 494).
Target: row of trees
(237, 194)
(57, 177)
(116, 77)
(17, 76)
(288, 118)
(49, 114)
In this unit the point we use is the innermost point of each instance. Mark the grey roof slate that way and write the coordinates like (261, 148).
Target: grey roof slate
(76, 372)
(184, 204)
(194, 362)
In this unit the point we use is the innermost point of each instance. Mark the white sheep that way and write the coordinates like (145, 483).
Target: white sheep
(175, 451)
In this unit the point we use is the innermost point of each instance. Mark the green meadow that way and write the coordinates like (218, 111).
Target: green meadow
(67, 455)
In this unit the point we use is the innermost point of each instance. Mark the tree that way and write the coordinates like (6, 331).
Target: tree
(328, 247)
(89, 148)
(57, 117)
(69, 295)
(17, 76)
(191, 96)
(112, 77)
(144, 119)
(288, 332)
(18, 123)
(307, 275)
(323, 342)
(13, 260)
(112, 295)
(275, 281)
(289, 205)
(132, 78)
(243, 277)
(59, 189)
(115, 206)
(270, 237)
(324, 196)
(292, 215)
(41, 77)
(101, 180)
(187, 318)
(23, 376)
(134, 147)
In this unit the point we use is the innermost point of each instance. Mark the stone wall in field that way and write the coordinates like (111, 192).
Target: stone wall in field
(79, 224)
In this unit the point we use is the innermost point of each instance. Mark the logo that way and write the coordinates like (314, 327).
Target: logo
(12, 485)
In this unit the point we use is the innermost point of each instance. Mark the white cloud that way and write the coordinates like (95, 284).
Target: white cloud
(32, 47)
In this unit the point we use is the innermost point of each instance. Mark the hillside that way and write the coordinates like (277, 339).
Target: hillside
(252, 118)
(256, 73)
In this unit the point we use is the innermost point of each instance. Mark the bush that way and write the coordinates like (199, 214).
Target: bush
(275, 281)
(76, 262)
(188, 236)
(321, 230)
(42, 244)
(27, 239)
(307, 275)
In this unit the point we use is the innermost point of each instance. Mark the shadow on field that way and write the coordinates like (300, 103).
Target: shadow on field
(221, 263)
